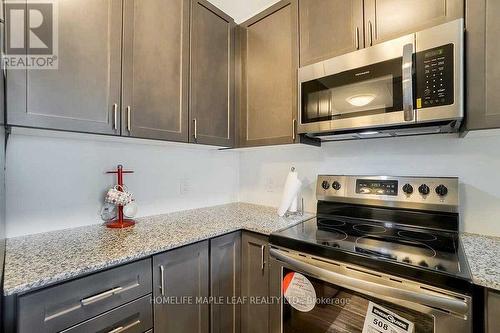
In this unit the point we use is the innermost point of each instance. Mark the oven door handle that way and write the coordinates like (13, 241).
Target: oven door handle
(424, 298)
(407, 78)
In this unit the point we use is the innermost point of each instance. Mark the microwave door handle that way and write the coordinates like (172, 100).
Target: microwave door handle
(407, 70)
(443, 302)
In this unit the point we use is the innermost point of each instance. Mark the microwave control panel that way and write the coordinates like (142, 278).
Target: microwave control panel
(434, 77)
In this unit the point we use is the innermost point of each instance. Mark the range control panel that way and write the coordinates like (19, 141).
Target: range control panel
(434, 76)
(430, 193)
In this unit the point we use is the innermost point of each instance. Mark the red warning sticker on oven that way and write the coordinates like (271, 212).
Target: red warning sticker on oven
(299, 292)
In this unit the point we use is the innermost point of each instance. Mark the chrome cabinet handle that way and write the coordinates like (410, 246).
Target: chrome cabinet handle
(371, 288)
(195, 125)
(129, 126)
(370, 31)
(262, 257)
(162, 277)
(357, 38)
(294, 129)
(101, 296)
(115, 116)
(409, 114)
(124, 328)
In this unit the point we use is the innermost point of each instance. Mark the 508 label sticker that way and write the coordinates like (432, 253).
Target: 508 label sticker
(299, 292)
(381, 320)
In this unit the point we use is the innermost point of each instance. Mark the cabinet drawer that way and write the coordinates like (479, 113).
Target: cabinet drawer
(134, 317)
(59, 307)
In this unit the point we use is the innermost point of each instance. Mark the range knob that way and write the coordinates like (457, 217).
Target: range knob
(423, 263)
(336, 186)
(325, 185)
(407, 260)
(408, 189)
(440, 267)
(424, 189)
(441, 190)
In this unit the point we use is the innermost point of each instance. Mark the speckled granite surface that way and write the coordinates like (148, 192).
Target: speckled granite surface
(43, 259)
(483, 255)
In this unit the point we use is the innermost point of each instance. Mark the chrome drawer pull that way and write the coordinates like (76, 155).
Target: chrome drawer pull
(124, 328)
(101, 296)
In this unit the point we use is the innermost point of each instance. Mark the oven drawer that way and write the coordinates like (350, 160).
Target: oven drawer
(134, 317)
(62, 306)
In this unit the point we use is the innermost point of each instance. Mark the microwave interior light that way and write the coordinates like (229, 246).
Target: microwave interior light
(360, 100)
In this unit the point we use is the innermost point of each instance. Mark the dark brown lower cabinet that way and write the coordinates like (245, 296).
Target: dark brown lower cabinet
(254, 283)
(180, 281)
(225, 278)
(492, 306)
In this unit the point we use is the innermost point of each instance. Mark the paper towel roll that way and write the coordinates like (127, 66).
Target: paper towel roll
(290, 192)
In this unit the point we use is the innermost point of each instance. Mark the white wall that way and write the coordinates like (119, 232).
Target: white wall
(55, 183)
(59, 182)
(475, 159)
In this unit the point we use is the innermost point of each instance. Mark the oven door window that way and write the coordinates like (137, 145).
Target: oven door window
(368, 90)
(340, 310)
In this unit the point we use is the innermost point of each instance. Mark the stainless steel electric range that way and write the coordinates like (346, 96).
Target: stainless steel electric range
(389, 243)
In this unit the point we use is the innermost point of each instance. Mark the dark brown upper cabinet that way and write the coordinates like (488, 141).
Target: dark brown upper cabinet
(211, 108)
(387, 19)
(482, 65)
(155, 69)
(329, 28)
(83, 94)
(268, 85)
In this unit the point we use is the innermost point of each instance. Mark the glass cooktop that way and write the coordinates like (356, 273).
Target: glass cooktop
(416, 247)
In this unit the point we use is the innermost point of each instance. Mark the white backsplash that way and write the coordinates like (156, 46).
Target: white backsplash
(475, 160)
(59, 182)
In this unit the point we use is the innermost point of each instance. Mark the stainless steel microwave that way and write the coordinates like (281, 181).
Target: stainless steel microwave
(406, 86)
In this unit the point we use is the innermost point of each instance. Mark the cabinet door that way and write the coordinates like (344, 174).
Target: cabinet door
(254, 283)
(387, 19)
(329, 28)
(155, 69)
(225, 277)
(83, 94)
(212, 75)
(179, 277)
(492, 306)
(483, 67)
(269, 62)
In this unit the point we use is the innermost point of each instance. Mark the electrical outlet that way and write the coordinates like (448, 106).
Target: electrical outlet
(185, 186)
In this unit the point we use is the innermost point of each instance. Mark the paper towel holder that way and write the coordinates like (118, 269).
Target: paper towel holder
(300, 211)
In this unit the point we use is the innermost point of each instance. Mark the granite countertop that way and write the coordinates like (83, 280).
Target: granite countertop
(483, 255)
(41, 260)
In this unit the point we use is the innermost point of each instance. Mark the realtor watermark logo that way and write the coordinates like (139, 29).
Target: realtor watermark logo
(31, 38)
